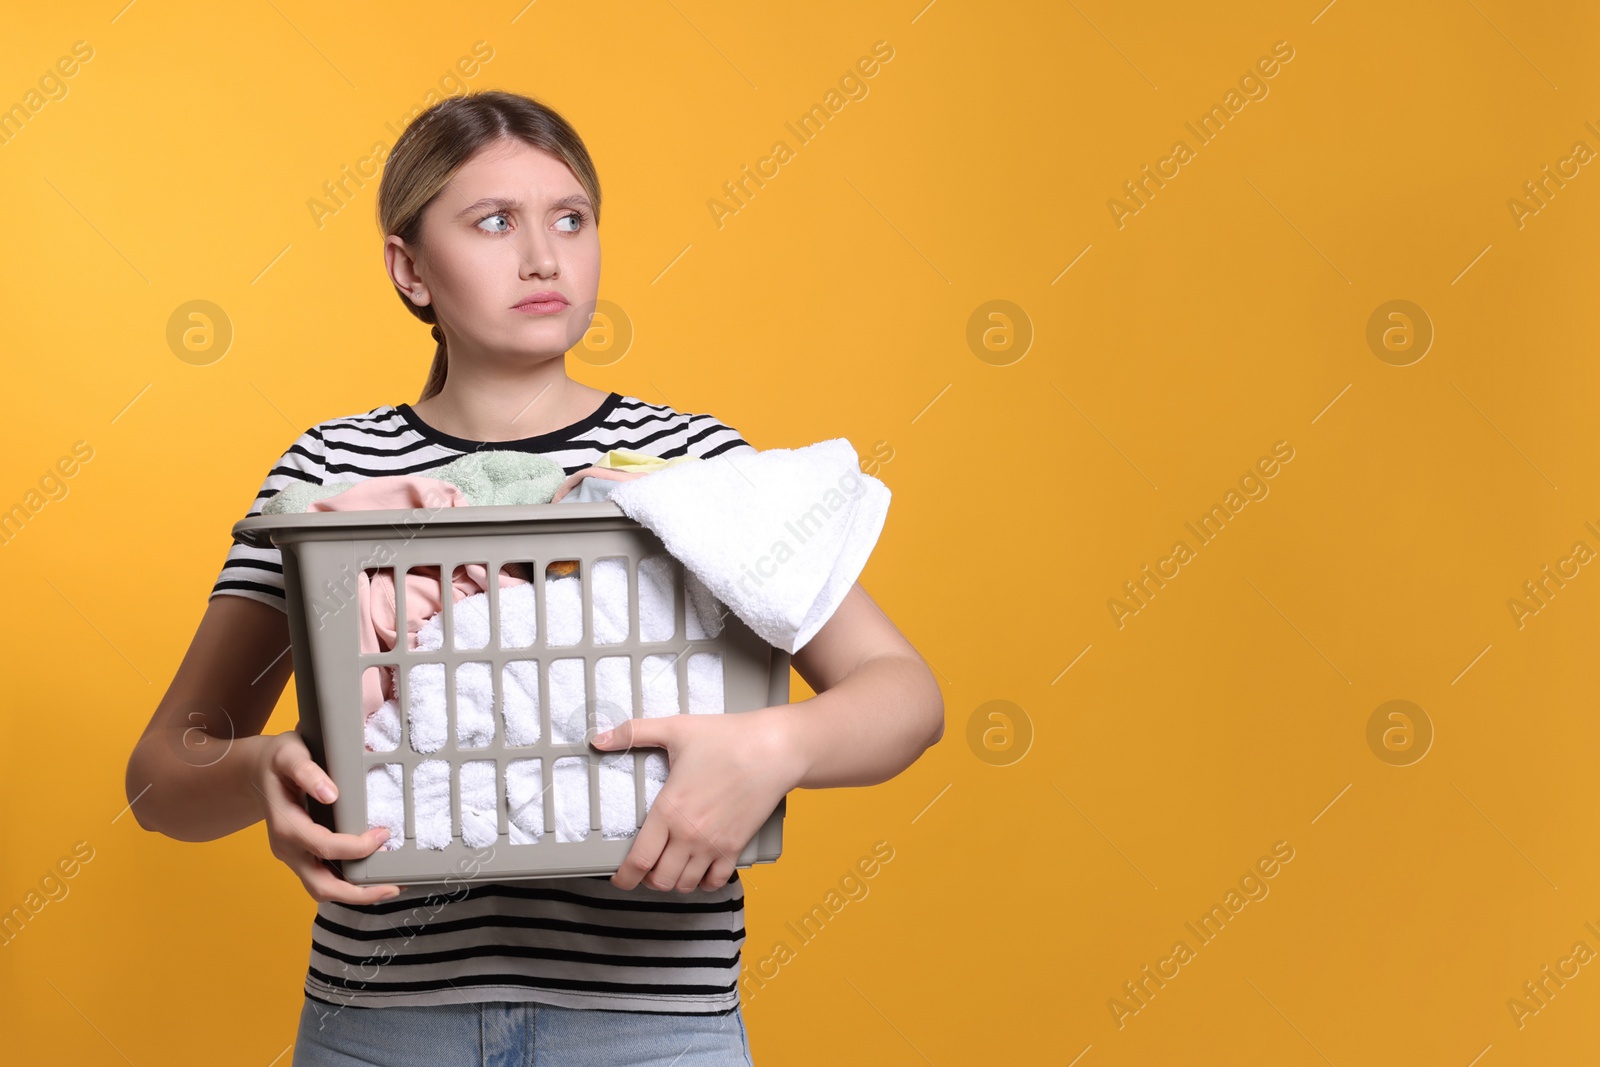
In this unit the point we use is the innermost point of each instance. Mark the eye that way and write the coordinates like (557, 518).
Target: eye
(579, 217)
(496, 215)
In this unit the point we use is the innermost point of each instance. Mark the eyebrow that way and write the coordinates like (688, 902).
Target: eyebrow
(505, 203)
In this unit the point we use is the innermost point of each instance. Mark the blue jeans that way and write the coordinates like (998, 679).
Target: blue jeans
(504, 1034)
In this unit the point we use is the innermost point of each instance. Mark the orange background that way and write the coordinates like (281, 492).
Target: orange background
(1043, 857)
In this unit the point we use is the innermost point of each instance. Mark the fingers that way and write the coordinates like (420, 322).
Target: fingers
(305, 846)
(669, 869)
(325, 844)
(641, 858)
(293, 761)
(717, 874)
(630, 734)
(302, 843)
(324, 884)
(288, 822)
(662, 861)
(693, 872)
(689, 853)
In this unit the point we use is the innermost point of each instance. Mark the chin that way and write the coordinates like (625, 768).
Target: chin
(541, 354)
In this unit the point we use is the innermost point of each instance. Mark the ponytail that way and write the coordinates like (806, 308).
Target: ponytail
(436, 373)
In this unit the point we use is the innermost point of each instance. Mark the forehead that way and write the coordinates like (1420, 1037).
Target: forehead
(512, 169)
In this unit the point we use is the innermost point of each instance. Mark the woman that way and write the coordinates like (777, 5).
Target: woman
(489, 205)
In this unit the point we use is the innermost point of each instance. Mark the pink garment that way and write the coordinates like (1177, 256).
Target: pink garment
(378, 617)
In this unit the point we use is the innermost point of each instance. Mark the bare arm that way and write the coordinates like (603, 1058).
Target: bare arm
(876, 710)
(877, 706)
(203, 769)
(190, 775)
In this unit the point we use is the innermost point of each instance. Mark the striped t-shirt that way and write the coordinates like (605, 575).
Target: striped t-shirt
(575, 942)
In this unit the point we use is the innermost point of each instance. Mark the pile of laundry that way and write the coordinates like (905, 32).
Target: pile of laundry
(778, 537)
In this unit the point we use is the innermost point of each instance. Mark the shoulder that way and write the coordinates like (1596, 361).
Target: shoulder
(666, 431)
(383, 420)
(307, 454)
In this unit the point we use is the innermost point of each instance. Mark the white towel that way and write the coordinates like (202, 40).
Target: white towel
(475, 720)
(778, 535)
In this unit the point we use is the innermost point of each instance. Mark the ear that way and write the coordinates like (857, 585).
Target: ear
(402, 267)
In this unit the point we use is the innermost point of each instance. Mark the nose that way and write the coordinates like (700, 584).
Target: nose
(538, 256)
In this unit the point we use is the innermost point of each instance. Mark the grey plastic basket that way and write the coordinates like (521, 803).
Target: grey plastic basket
(324, 552)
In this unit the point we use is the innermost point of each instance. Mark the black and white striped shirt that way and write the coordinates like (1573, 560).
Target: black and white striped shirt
(576, 942)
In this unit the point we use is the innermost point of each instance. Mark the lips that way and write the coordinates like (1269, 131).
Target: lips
(542, 301)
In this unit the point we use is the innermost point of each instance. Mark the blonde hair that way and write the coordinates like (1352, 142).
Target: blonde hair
(435, 145)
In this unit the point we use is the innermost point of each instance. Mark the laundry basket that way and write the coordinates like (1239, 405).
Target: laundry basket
(516, 835)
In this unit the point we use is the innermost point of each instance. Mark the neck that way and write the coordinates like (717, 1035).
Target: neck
(488, 404)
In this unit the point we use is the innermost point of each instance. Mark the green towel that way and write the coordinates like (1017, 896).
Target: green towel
(503, 477)
(484, 477)
(297, 497)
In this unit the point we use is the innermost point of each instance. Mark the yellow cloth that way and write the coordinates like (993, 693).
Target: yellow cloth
(626, 459)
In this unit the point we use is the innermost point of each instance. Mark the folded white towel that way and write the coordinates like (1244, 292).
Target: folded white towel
(475, 720)
(778, 535)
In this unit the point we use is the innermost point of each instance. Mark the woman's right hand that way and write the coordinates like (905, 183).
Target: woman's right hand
(285, 773)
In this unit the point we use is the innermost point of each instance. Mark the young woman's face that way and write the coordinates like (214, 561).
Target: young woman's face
(512, 223)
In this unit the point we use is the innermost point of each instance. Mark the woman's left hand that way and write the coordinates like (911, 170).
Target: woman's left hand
(726, 774)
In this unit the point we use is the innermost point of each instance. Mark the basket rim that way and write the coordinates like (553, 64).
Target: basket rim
(258, 530)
